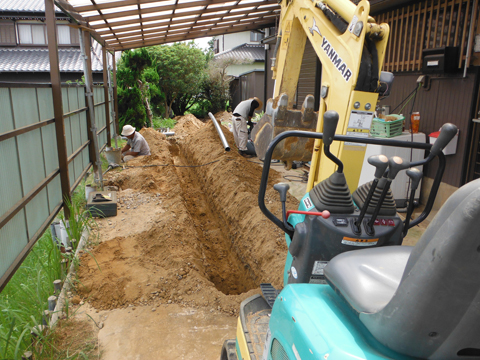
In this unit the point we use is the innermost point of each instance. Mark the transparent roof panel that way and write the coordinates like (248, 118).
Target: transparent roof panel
(119, 9)
(159, 13)
(193, 8)
(97, 22)
(157, 4)
(80, 2)
(123, 18)
(250, 2)
(268, 6)
(231, 3)
(202, 21)
(242, 9)
(120, 27)
(215, 13)
(161, 21)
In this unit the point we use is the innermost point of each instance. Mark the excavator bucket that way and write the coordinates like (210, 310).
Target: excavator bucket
(278, 119)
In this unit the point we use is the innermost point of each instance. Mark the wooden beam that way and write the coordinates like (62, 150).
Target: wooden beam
(190, 36)
(420, 55)
(137, 29)
(156, 9)
(68, 9)
(112, 5)
(176, 7)
(194, 13)
(179, 28)
(57, 103)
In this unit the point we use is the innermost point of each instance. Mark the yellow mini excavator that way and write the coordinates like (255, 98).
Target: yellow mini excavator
(350, 290)
(351, 48)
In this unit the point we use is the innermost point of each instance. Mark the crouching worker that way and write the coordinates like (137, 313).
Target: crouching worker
(241, 117)
(136, 144)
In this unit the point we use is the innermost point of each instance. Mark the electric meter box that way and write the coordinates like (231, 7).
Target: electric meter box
(102, 203)
(440, 60)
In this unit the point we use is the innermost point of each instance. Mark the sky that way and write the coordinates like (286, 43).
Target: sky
(202, 42)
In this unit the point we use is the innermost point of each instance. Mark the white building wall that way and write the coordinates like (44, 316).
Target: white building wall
(229, 41)
(235, 70)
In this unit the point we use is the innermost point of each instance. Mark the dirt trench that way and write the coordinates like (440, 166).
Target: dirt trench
(188, 235)
(221, 263)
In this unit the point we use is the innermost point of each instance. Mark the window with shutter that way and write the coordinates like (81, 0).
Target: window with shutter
(7, 33)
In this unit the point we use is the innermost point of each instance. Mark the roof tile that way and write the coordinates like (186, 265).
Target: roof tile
(246, 51)
(23, 6)
(36, 59)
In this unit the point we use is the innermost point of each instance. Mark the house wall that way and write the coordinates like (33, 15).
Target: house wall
(308, 79)
(310, 75)
(44, 77)
(249, 85)
(236, 70)
(448, 99)
(268, 74)
(229, 41)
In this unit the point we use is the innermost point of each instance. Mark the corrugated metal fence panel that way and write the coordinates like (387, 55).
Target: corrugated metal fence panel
(13, 235)
(100, 118)
(83, 127)
(112, 121)
(27, 159)
(30, 152)
(45, 107)
(75, 131)
(68, 133)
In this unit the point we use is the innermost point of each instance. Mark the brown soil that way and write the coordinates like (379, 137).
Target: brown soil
(223, 116)
(71, 339)
(188, 235)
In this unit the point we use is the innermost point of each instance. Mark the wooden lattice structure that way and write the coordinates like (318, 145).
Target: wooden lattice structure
(427, 25)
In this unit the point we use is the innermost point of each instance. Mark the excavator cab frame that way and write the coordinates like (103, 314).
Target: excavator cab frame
(351, 48)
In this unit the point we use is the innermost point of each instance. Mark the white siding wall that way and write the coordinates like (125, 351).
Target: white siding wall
(229, 41)
(236, 70)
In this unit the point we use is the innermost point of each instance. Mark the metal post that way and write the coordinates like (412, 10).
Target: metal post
(92, 128)
(115, 97)
(57, 104)
(106, 83)
(112, 100)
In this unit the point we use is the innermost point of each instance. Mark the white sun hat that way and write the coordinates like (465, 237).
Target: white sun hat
(128, 130)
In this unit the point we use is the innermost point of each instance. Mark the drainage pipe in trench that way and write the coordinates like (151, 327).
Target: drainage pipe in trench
(220, 132)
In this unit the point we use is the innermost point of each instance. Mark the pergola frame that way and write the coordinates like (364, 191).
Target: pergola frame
(121, 25)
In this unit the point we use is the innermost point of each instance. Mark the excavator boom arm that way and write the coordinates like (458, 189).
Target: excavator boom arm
(351, 48)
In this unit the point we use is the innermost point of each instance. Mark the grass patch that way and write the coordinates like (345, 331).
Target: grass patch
(24, 299)
(72, 339)
(163, 123)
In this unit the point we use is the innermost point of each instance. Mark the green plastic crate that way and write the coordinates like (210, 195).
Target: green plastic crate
(387, 129)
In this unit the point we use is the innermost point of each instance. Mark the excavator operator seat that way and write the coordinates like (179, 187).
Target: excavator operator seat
(421, 301)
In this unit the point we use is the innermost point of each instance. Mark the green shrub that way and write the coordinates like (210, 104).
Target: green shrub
(159, 122)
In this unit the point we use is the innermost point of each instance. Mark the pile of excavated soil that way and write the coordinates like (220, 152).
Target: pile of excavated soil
(188, 229)
(223, 116)
(187, 124)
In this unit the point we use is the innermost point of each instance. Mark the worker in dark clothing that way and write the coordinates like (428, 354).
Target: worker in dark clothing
(241, 117)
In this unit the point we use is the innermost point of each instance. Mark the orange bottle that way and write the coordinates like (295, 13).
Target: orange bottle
(414, 122)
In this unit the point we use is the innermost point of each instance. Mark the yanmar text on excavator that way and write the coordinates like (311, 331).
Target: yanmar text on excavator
(351, 291)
